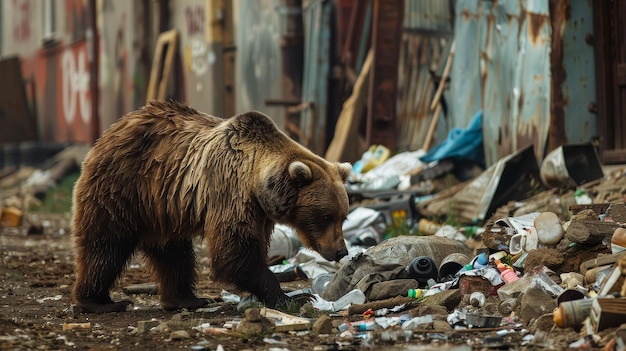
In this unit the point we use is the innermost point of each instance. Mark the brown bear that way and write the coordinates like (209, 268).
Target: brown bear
(166, 173)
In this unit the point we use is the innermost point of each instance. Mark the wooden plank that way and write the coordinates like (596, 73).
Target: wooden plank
(349, 117)
(160, 73)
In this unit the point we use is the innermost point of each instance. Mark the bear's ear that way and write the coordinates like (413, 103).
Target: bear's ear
(300, 172)
(344, 170)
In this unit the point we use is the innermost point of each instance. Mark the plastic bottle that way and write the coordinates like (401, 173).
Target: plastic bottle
(422, 269)
(481, 261)
(507, 273)
(572, 313)
(415, 293)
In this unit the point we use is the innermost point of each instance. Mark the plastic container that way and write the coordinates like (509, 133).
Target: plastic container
(477, 299)
(480, 261)
(572, 313)
(618, 240)
(355, 296)
(283, 243)
(507, 273)
(422, 269)
(319, 283)
(452, 264)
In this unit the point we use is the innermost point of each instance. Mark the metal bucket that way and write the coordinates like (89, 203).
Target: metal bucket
(571, 165)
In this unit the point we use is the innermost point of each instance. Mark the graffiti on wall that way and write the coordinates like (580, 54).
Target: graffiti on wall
(22, 16)
(194, 18)
(197, 53)
(75, 95)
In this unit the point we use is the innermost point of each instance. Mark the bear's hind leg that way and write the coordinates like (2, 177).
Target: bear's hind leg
(99, 264)
(174, 267)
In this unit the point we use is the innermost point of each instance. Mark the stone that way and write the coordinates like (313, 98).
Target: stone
(425, 309)
(548, 257)
(145, 326)
(391, 288)
(179, 335)
(535, 303)
(514, 289)
(589, 232)
(448, 298)
(323, 325)
(255, 324)
(617, 212)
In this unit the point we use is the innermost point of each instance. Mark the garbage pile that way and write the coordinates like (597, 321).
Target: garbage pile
(540, 264)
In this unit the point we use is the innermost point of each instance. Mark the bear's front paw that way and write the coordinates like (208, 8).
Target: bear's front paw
(189, 303)
(97, 307)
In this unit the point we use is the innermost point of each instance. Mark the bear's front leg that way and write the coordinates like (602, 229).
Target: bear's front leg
(243, 263)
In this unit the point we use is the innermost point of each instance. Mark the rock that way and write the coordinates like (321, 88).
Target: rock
(514, 289)
(253, 315)
(441, 325)
(534, 303)
(255, 324)
(617, 212)
(549, 229)
(425, 309)
(144, 326)
(449, 299)
(550, 258)
(323, 325)
(179, 335)
(588, 214)
(571, 279)
(543, 322)
(390, 288)
(589, 232)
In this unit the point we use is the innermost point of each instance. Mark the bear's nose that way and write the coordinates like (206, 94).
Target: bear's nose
(341, 254)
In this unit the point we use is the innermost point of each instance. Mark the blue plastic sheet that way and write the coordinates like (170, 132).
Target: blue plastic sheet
(464, 144)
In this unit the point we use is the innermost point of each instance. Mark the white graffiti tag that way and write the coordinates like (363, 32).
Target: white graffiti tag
(75, 86)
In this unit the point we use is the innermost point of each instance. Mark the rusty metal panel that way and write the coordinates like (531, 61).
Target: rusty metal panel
(429, 16)
(579, 88)
(465, 82)
(502, 66)
(499, 56)
(531, 85)
(317, 21)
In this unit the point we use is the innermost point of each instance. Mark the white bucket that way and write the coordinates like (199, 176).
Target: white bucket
(283, 242)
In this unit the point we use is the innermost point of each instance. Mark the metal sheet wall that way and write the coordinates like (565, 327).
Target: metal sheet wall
(258, 62)
(503, 65)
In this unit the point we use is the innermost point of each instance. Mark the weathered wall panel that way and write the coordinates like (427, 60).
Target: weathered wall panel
(531, 85)
(123, 60)
(465, 84)
(258, 63)
(499, 61)
(316, 17)
(517, 61)
(426, 41)
(201, 54)
(579, 88)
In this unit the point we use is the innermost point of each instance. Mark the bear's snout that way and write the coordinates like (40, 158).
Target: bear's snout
(341, 254)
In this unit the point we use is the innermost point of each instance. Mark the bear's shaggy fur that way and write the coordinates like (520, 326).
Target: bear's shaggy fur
(167, 173)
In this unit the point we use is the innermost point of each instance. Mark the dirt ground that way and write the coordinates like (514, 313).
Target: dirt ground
(36, 275)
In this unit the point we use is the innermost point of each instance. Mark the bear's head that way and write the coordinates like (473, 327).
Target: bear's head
(310, 196)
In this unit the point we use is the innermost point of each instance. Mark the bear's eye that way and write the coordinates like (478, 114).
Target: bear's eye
(327, 218)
